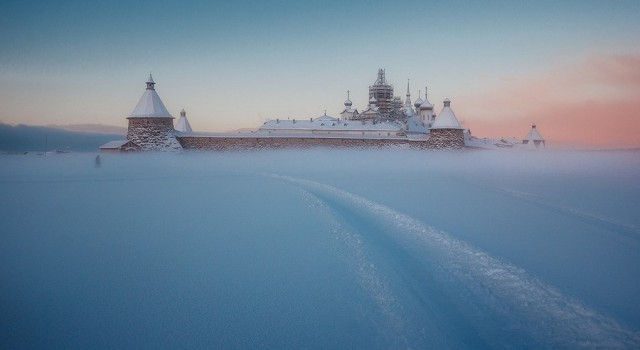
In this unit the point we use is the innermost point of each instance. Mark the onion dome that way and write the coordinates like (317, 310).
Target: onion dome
(426, 105)
(418, 101)
(348, 102)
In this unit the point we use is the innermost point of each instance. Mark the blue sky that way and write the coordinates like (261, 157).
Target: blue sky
(234, 64)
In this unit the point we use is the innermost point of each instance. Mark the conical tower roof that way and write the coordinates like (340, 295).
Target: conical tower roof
(533, 134)
(183, 124)
(150, 104)
(446, 119)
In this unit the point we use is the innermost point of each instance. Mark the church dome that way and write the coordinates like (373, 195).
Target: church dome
(426, 105)
(418, 101)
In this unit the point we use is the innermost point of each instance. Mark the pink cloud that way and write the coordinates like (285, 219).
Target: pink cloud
(595, 103)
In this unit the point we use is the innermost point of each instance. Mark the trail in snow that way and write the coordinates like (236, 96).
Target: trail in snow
(627, 230)
(393, 328)
(501, 302)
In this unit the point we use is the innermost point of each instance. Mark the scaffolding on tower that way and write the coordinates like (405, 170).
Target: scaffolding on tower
(383, 93)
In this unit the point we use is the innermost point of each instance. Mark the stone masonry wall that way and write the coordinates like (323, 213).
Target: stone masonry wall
(450, 139)
(249, 143)
(153, 134)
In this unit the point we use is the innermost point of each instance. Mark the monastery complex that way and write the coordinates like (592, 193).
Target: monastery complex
(385, 121)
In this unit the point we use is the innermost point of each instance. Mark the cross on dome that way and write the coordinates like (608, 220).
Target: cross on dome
(348, 102)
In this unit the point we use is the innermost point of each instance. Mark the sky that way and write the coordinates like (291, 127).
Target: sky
(571, 67)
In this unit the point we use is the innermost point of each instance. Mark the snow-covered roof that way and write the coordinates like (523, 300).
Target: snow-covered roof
(305, 135)
(533, 134)
(491, 143)
(426, 104)
(371, 109)
(325, 118)
(150, 104)
(183, 124)
(329, 125)
(415, 125)
(114, 144)
(446, 119)
(408, 110)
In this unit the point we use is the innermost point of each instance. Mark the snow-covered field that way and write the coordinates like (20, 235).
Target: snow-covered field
(321, 249)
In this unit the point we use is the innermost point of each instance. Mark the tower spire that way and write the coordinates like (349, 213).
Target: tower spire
(150, 83)
(407, 102)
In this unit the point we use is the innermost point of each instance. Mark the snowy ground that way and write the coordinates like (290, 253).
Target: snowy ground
(321, 249)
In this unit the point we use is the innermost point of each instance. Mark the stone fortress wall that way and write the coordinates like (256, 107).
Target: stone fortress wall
(222, 143)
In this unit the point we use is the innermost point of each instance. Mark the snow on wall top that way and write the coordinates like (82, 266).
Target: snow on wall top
(337, 125)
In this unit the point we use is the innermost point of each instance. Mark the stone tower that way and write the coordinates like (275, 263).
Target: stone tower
(150, 124)
(446, 132)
